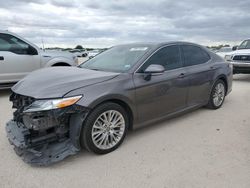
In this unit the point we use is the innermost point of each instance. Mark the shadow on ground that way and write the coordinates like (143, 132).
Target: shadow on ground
(242, 77)
(131, 136)
(5, 93)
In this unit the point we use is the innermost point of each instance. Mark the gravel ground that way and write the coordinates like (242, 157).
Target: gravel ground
(204, 148)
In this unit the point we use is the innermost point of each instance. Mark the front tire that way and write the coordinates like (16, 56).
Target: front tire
(105, 128)
(217, 95)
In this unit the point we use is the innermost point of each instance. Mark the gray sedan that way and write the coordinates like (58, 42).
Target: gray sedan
(63, 109)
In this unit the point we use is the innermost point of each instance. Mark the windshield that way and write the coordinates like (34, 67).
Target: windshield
(245, 45)
(116, 59)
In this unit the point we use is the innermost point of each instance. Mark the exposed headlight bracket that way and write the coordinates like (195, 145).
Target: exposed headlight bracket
(51, 104)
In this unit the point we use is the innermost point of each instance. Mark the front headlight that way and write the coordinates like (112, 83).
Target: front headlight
(228, 58)
(50, 104)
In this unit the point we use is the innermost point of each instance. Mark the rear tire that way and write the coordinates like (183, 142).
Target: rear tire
(105, 128)
(217, 95)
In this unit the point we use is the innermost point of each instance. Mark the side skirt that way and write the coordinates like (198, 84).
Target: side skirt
(168, 116)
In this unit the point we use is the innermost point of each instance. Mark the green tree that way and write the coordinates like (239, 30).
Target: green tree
(79, 47)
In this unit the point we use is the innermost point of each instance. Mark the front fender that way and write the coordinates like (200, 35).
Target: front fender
(75, 128)
(119, 89)
(77, 120)
(111, 97)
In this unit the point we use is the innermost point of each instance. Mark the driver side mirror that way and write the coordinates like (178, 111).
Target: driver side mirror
(153, 69)
(32, 51)
(235, 48)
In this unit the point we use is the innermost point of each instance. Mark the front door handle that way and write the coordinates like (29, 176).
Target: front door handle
(1, 58)
(182, 75)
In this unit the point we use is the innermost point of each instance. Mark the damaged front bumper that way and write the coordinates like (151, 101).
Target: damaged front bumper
(43, 138)
(41, 155)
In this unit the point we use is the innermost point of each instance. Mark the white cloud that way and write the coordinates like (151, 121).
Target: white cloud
(106, 23)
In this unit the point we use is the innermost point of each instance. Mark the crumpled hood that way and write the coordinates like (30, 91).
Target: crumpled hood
(55, 82)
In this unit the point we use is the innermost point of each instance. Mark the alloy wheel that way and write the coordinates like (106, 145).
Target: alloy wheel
(108, 129)
(219, 94)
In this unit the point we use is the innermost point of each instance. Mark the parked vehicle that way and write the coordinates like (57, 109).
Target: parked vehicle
(93, 53)
(240, 58)
(223, 51)
(18, 57)
(94, 105)
(79, 53)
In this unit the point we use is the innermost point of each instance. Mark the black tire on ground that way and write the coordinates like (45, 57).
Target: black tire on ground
(211, 103)
(86, 134)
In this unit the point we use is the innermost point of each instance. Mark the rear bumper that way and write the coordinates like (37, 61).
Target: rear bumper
(41, 155)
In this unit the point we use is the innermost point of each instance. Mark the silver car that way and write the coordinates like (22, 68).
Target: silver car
(18, 57)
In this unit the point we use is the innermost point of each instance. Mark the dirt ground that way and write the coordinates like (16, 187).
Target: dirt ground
(204, 148)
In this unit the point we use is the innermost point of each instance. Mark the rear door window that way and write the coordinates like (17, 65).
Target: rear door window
(194, 55)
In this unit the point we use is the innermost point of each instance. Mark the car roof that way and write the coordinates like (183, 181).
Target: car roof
(18, 36)
(152, 44)
(159, 44)
(136, 44)
(5, 31)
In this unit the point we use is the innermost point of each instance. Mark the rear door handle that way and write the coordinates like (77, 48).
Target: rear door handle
(1, 58)
(182, 75)
(212, 68)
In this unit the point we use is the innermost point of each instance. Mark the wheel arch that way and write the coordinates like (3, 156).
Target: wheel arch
(224, 79)
(60, 64)
(125, 103)
(220, 77)
(57, 60)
